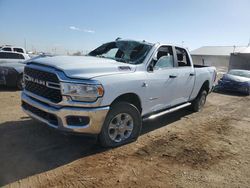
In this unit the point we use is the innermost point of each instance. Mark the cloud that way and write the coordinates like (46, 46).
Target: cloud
(88, 31)
(74, 28)
(83, 30)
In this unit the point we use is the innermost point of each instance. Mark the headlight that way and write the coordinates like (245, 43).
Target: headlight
(82, 92)
(4, 71)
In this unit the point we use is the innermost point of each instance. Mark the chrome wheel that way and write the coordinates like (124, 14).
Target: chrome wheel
(120, 127)
(202, 101)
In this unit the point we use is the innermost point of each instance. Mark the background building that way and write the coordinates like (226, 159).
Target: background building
(240, 60)
(218, 56)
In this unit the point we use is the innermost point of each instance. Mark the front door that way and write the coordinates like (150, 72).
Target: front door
(161, 80)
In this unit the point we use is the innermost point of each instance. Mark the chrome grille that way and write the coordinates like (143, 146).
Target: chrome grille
(42, 83)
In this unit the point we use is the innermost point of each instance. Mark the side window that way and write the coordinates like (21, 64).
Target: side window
(7, 49)
(20, 50)
(6, 55)
(16, 56)
(164, 58)
(2, 55)
(20, 56)
(182, 57)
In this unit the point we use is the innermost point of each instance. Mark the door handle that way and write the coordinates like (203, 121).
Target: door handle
(144, 84)
(172, 76)
(191, 74)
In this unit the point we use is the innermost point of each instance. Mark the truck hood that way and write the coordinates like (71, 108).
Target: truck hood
(85, 67)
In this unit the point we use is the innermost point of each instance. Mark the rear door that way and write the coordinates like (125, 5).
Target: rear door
(186, 76)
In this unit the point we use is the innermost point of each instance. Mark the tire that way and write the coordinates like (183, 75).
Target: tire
(121, 126)
(248, 92)
(20, 82)
(200, 101)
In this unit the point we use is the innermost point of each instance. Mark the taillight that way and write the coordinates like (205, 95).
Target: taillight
(214, 75)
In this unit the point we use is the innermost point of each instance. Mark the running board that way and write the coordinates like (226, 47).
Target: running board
(167, 111)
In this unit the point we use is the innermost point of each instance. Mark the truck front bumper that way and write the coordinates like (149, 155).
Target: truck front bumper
(69, 119)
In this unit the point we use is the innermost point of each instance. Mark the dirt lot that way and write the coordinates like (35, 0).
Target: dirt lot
(184, 149)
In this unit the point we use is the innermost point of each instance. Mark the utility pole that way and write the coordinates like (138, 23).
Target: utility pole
(25, 43)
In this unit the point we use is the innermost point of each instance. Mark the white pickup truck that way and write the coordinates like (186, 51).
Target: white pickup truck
(114, 88)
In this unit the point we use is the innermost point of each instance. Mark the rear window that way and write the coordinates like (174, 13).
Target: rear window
(242, 73)
(20, 50)
(182, 57)
(6, 55)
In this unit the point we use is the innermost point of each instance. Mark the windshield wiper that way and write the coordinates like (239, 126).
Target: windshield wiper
(101, 56)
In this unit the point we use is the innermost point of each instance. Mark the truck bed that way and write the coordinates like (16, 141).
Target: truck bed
(200, 66)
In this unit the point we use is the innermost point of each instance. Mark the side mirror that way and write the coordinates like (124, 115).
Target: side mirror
(150, 67)
(155, 57)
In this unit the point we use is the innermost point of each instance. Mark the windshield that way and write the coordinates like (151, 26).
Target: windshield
(242, 73)
(124, 51)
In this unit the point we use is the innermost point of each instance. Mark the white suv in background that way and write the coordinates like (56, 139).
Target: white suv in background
(13, 49)
(12, 57)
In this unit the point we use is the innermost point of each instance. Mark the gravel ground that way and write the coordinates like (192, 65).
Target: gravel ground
(183, 149)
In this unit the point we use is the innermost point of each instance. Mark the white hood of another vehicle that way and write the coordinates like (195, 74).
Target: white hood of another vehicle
(86, 67)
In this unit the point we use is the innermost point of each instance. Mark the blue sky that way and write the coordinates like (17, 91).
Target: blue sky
(84, 24)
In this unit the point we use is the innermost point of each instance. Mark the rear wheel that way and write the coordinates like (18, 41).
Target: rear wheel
(122, 125)
(200, 101)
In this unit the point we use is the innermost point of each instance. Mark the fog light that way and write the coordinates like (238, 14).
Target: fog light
(77, 120)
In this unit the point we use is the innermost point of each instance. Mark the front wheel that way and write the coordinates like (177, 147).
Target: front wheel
(122, 125)
(200, 101)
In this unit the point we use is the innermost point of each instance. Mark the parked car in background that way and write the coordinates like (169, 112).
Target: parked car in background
(13, 49)
(235, 80)
(110, 91)
(11, 74)
(12, 57)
